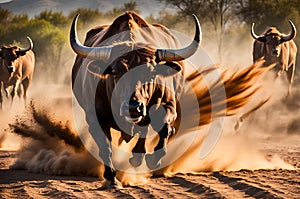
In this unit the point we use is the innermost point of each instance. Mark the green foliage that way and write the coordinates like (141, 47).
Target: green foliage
(55, 18)
(15, 27)
(5, 16)
(86, 15)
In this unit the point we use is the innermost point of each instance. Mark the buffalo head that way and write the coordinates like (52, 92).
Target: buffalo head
(273, 39)
(10, 55)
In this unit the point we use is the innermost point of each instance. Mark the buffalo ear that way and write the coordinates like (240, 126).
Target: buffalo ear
(21, 53)
(282, 40)
(168, 69)
(262, 39)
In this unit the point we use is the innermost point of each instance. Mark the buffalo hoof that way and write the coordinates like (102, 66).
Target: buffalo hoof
(136, 160)
(124, 137)
(153, 160)
(111, 184)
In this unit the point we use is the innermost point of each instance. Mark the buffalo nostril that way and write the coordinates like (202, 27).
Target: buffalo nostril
(136, 108)
(133, 105)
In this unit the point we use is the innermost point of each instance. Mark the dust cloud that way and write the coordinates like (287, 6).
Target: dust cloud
(50, 144)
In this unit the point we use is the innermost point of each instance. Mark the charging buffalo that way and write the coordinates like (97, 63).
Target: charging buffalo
(129, 76)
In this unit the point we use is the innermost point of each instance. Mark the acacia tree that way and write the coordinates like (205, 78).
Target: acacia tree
(217, 12)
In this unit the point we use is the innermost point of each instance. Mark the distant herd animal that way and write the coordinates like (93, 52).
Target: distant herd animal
(16, 70)
(277, 48)
(115, 95)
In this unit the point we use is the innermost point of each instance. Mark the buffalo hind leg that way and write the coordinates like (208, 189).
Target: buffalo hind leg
(138, 153)
(154, 160)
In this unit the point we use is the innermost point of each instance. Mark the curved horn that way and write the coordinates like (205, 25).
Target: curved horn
(183, 53)
(292, 35)
(99, 53)
(24, 50)
(255, 36)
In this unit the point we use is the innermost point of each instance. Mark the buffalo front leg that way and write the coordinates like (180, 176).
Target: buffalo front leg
(103, 141)
(7, 90)
(154, 160)
(138, 153)
(139, 150)
(15, 90)
(109, 170)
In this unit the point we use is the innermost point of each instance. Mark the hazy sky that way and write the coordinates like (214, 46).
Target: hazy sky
(33, 7)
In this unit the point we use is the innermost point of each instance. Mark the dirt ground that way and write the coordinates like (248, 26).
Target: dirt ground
(261, 183)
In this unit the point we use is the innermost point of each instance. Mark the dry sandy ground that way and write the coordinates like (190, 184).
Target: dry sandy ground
(236, 182)
(260, 183)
